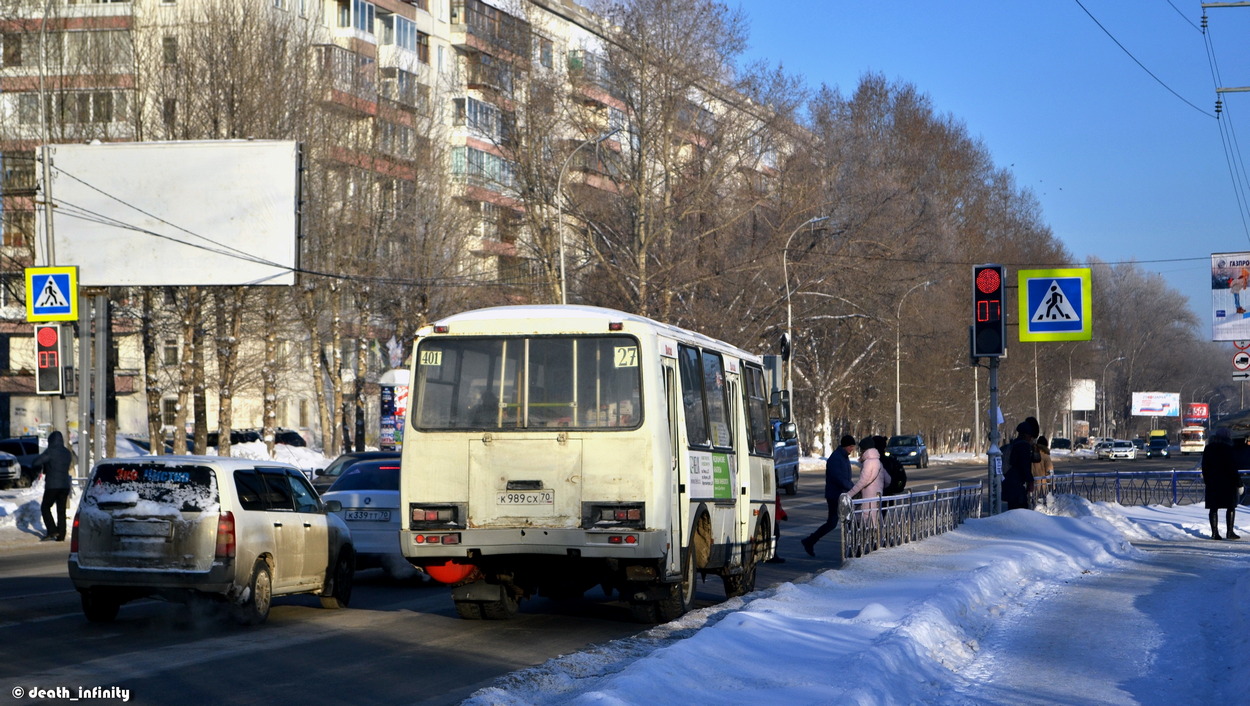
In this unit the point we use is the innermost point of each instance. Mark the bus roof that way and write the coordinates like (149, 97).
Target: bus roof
(555, 318)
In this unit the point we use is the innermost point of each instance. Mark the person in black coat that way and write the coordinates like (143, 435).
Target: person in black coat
(1018, 478)
(55, 463)
(837, 482)
(1219, 474)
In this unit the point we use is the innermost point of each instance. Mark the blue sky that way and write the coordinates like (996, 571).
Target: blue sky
(1123, 168)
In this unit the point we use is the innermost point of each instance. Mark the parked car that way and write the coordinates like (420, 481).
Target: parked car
(323, 478)
(11, 472)
(237, 436)
(235, 530)
(1159, 448)
(1060, 444)
(368, 493)
(26, 450)
(1122, 449)
(909, 449)
(290, 437)
(786, 456)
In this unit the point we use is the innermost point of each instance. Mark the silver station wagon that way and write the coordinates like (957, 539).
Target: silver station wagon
(180, 527)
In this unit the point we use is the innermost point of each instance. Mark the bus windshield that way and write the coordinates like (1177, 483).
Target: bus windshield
(488, 383)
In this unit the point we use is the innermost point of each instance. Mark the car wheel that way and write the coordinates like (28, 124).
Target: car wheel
(792, 487)
(255, 608)
(99, 606)
(341, 589)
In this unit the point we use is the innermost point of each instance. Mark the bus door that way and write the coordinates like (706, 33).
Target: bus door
(678, 478)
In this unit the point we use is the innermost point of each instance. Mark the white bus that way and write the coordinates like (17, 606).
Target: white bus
(1193, 440)
(551, 449)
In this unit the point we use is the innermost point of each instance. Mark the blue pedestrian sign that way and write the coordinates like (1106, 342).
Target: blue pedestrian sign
(1055, 305)
(51, 294)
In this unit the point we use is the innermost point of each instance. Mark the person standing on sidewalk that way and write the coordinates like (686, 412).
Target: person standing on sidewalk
(55, 462)
(1219, 474)
(837, 482)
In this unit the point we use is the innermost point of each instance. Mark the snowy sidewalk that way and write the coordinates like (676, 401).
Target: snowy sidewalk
(1168, 628)
(1083, 604)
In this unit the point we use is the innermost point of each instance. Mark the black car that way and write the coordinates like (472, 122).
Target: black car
(26, 449)
(1060, 444)
(1159, 448)
(323, 478)
(909, 449)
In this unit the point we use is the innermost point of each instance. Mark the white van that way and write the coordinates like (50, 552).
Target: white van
(237, 530)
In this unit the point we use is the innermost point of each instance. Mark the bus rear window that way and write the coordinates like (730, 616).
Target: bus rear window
(579, 382)
(184, 488)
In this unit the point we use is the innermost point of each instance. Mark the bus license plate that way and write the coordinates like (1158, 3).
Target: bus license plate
(368, 515)
(526, 497)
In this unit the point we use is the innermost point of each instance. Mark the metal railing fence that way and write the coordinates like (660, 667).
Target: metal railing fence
(888, 521)
(1173, 487)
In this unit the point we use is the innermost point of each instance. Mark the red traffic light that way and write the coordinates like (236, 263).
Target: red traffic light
(48, 336)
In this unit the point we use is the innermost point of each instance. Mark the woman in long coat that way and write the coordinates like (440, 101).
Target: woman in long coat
(1219, 474)
(872, 476)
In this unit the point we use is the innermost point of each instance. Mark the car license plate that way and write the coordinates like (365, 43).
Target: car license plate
(526, 497)
(141, 528)
(368, 515)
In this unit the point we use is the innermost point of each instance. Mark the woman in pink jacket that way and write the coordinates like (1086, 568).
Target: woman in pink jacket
(872, 477)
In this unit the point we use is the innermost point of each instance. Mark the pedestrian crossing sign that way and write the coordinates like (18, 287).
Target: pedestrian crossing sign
(51, 294)
(1055, 305)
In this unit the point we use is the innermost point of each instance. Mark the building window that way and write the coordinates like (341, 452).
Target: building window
(546, 52)
(169, 113)
(358, 15)
(75, 107)
(12, 49)
(169, 412)
(169, 48)
(19, 227)
(398, 31)
(171, 351)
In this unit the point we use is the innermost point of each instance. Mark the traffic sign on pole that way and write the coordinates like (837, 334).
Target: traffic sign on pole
(51, 294)
(1241, 361)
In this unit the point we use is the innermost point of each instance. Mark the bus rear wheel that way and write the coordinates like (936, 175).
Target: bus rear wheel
(743, 583)
(680, 598)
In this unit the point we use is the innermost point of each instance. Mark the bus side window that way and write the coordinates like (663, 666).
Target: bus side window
(692, 396)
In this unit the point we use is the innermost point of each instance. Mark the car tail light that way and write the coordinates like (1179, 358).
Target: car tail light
(73, 536)
(225, 536)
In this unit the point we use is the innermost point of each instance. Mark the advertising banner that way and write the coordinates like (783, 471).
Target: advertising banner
(1082, 396)
(1156, 404)
(1197, 413)
(1230, 275)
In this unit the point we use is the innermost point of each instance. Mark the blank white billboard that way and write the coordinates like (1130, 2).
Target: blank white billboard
(174, 213)
(1156, 404)
(1081, 398)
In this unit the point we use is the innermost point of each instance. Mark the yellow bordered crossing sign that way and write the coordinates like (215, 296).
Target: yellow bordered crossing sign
(51, 294)
(1056, 305)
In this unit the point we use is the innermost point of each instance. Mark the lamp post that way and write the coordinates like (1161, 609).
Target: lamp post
(564, 299)
(785, 272)
(898, 355)
(1103, 430)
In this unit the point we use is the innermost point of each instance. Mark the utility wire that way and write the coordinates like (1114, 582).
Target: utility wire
(1143, 66)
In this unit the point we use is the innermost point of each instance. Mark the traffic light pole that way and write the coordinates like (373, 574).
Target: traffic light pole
(995, 454)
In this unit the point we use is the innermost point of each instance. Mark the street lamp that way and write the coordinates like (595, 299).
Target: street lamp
(785, 272)
(564, 299)
(1103, 430)
(898, 354)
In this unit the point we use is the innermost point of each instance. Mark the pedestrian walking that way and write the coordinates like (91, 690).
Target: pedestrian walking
(1043, 468)
(55, 463)
(1219, 474)
(872, 477)
(1018, 477)
(837, 482)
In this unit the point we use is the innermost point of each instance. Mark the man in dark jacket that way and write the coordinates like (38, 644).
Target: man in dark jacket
(55, 463)
(837, 482)
(1018, 478)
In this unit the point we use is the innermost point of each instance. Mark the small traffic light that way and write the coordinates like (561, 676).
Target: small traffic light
(48, 376)
(989, 326)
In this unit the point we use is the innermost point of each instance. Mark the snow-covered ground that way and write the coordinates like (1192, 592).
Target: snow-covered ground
(1079, 603)
(1023, 608)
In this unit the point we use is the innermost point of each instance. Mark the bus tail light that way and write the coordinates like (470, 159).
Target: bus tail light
(435, 517)
(225, 536)
(614, 515)
(453, 538)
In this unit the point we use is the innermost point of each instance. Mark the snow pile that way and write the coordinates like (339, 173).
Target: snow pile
(922, 623)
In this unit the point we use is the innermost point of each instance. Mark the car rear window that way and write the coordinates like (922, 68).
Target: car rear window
(151, 488)
(369, 477)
